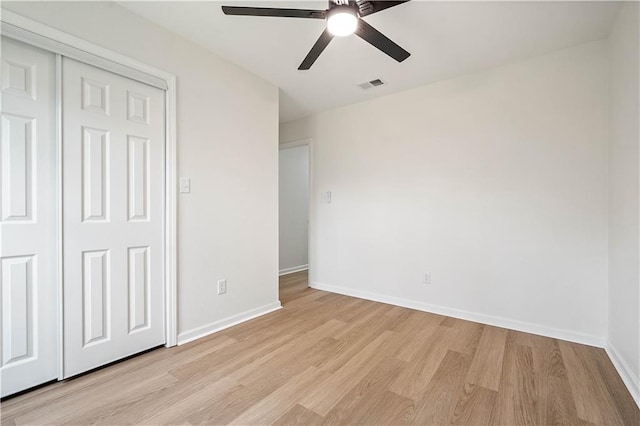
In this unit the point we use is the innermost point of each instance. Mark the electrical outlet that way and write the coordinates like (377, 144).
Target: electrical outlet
(427, 278)
(222, 286)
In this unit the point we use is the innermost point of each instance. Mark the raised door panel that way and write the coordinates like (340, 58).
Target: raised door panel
(138, 107)
(19, 328)
(18, 168)
(18, 78)
(138, 178)
(95, 96)
(96, 289)
(139, 291)
(95, 174)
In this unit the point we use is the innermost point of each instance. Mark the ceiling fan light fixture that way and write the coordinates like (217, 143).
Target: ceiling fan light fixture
(343, 17)
(342, 21)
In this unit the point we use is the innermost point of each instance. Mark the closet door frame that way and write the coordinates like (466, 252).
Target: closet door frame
(18, 27)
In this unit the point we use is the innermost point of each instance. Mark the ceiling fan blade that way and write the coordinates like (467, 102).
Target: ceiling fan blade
(369, 7)
(316, 50)
(382, 42)
(274, 12)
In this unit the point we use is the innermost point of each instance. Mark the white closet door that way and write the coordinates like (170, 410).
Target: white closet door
(113, 180)
(28, 218)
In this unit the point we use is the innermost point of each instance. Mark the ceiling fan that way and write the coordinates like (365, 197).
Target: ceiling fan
(344, 17)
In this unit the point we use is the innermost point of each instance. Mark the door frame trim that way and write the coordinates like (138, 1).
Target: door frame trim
(311, 206)
(59, 246)
(35, 33)
(53, 40)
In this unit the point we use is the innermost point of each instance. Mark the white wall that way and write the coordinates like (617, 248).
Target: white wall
(495, 183)
(294, 207)
(228, 225)
(624, 199)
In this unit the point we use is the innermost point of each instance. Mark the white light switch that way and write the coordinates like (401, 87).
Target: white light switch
(325, 197)
(185, 185)
(222, 286)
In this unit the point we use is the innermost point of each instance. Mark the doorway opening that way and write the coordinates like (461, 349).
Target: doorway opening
(294, 172)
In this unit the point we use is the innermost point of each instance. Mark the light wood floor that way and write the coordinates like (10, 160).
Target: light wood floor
(332, 359)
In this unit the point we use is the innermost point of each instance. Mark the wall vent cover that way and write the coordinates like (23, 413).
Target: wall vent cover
(370, 84)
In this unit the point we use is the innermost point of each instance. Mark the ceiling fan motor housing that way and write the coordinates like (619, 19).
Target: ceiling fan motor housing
(342, 20)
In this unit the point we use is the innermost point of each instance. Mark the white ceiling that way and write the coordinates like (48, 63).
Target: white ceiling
(445, 39)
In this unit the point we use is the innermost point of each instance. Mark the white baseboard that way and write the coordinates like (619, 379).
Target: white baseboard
(205, 330)
(293, 269)
(632, 383)
(511, 324)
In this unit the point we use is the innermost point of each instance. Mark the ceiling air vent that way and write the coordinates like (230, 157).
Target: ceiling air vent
(370, 84)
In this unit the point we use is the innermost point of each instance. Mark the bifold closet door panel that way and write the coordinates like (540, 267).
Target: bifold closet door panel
(113, 180)
(28, 273)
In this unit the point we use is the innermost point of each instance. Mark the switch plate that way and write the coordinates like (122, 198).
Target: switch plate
(427, 278)
(325, 197)
(222, 286)
(185, 185)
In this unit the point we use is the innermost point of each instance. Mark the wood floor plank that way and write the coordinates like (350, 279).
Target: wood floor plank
(413, 381)
(356, 308)
(298, 415)
(559, 407)
(437, 407)
(515, 400)
(399, 312)
(554, 400)
(469, 334)
(417, 321)
(486, 365)
(390, 409)
(366, 321)
(221, 363)
(277, 403)
(473, 405)
(594, 403)
(367, 395)
(415, 345)
(274, 375)
(174, 406)
(222, 408)
(295, 349)
(526, 385)
(329, 358)
(614, 386)
(325, 396)
(72, 410)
